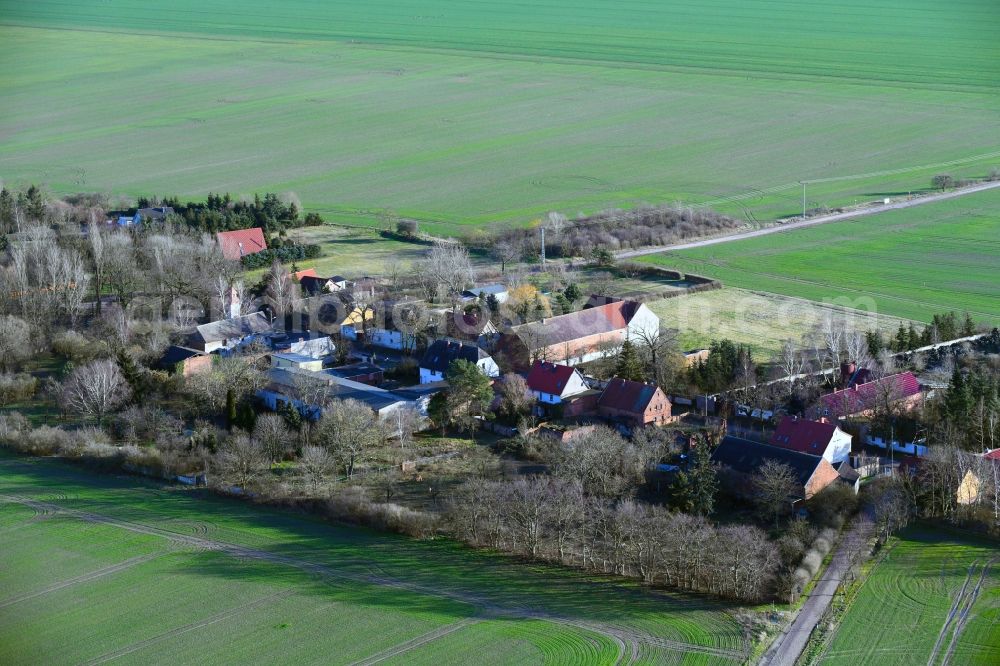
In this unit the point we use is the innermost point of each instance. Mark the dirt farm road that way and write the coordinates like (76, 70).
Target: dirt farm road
(813, 221)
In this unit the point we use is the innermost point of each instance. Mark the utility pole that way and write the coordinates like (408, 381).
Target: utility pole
(543, 246)
(803, 198)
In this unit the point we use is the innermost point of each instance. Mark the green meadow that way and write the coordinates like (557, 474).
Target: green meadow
(479, 113)
(934, 599)
(115, 568)
(910, 263)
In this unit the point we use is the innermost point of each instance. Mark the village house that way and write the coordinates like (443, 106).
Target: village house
(978, 478)
(237, 244)
(901, 390)
(184, 361)
(230, 333)
(498, 291)
(442, 353)
(298, 361)
(313, 285)
(743, 459)
(390, 330)
(818, 438)
(474, 327)
(551, 383)
(634, 404)
(365, 373)
(578, 337)
(285, 385)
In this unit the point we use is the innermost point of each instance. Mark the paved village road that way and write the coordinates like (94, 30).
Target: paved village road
(787, 647)
(813, 221)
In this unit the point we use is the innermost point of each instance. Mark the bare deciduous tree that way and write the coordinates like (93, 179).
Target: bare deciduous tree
(242, 460)
(273, 435)
(448, 264)
(316, 465)
(96, 389)
(348, 429)
(15, 341)
(775, 485)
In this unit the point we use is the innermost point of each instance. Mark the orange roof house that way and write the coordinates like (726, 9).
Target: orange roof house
(237, 244)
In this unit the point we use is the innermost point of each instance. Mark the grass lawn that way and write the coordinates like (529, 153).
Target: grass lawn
(355, 252)
(901, 615)
(270, 586)
(475, 113)
(909, 263)
(762, 320)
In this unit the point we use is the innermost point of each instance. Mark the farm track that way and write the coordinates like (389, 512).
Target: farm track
(413, 643)
(627, 640)
(963, 615)
(218, 617)
(83, 578)
(950, 617)
(812, 222)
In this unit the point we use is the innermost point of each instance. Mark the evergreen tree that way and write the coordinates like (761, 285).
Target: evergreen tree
(695, 487)
(629, 365)
(572, 293)
(901, 340)
(968, 326)
(875, 343)
(958, 400)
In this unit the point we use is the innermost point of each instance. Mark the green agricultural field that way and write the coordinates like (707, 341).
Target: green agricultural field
(761, 320)
(909, 263)
(935, 599)
(473, 113)
(101, 568)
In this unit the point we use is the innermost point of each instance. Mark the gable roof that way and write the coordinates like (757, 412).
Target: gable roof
(746, 457)
(239, 243)
(862, 397)
(846, 472)
(803, 435)
(227, 329)
(550, 377)
(568, 327)
(176, 354)
(627, 396)
(309, 272)
(442, 352)
(992, 455)
(486, 290)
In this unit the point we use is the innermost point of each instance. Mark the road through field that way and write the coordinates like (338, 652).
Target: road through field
(787, 647)
(627, 640)
(813, 221)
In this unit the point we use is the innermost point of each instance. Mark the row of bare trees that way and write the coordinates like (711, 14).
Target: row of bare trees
(552, 519)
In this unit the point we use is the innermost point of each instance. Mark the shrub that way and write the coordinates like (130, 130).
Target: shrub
(353, 505)
(407, 227)
(75, 347)
(812, 562)
(16, 388)
(943, 181)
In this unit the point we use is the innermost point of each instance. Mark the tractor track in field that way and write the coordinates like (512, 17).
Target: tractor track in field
(963, 615)
(82, 578)
(177, 631)
(950, 617)
(628, 641)
(418, 641)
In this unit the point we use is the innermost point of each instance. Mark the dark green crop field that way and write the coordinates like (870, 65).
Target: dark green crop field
(912, 263)
(474, 112)
(95, 569)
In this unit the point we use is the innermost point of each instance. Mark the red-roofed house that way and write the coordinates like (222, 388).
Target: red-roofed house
(578, 337)
(818, 438)
(551, 383)
(634, 403)
(237, 244)
(309, 272)
(901, 389)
